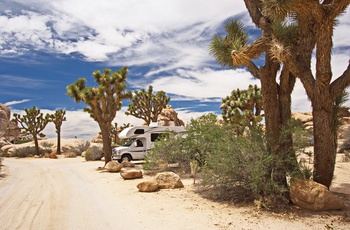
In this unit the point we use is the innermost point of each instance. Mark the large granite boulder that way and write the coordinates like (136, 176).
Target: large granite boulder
(9, 130)
(311, 195)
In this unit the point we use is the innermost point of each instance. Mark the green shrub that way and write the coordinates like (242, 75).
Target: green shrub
(230, 165)
(94, 153)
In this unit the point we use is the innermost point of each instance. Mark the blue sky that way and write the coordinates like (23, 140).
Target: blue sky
(46, 45)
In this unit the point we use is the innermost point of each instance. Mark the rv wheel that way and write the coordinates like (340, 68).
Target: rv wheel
(126, 157)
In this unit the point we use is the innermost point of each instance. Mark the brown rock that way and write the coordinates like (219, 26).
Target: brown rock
(131, 174)
(128, 164)
(167, 180)
(113, 166)
(310, 195)
(53, 156)
(148, 186)
(168, 117)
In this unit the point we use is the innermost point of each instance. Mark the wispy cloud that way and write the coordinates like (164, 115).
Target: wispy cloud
(16, 102)
(7, 81)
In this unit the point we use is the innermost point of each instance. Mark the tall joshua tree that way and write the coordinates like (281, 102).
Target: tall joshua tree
(233, 51)
(103, 100)
(33, 123)
(315, 22)
(147, 105)
(58, 118)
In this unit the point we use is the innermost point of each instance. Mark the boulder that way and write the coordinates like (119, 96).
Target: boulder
(148, 186)
(168, 180)
(128, 164)
(53, 156)
(311, 195)
(131, 174)
(113, 166)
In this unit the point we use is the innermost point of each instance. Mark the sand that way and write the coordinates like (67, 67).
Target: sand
(69, 193)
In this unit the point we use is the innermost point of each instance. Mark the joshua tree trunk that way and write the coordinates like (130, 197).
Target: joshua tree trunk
(107, 143)
(37, 152)
(324, 136)
(58, 151)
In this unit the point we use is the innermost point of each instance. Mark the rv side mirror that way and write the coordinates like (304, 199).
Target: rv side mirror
(135, 143)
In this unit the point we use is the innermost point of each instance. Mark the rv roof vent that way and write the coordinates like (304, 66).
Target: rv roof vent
(155, 124)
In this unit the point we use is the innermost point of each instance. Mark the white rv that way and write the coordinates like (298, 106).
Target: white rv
(140, 139)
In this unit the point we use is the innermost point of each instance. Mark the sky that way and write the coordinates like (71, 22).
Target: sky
(47, 45)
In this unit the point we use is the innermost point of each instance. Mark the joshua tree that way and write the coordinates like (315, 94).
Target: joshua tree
(292, 30)
(233, 50)
(104, 101)
(314, 21)
(33, 123)
(146, 105)
(242, 108)
(58, 118)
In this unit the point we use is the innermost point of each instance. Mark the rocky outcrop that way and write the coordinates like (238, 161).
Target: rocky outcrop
(310, 195)
(168, 117)
(9, 130)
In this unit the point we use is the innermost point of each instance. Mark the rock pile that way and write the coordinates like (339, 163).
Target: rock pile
(168, 117)
(9, 130)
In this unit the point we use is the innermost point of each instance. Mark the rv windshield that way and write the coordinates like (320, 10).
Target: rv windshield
(129, 142)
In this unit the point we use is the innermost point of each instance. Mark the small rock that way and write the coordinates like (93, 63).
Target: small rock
(113, 166)
(128, 164)
(131, 174)
(148, 186)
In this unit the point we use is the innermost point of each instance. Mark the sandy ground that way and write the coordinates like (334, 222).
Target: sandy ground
(69, 193)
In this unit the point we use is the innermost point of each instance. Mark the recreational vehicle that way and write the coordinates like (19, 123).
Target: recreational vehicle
(140, 139)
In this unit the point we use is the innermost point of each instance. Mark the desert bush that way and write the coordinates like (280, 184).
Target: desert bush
(94, 153)
(80, 148)
(46, 146)
(25, 151)
(230, 165)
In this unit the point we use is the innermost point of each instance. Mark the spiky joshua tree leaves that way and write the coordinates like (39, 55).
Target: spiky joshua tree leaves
(58, 118)
(33, 123)
(242, 109)
(147, 105)
(103, 100)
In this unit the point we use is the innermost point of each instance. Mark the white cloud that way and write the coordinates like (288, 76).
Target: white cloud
(205, 83)
(16, 102)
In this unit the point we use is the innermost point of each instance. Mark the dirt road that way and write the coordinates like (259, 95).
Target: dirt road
(69, 193)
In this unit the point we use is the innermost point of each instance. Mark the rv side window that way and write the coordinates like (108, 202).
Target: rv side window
(139, 131)
(154, 136)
